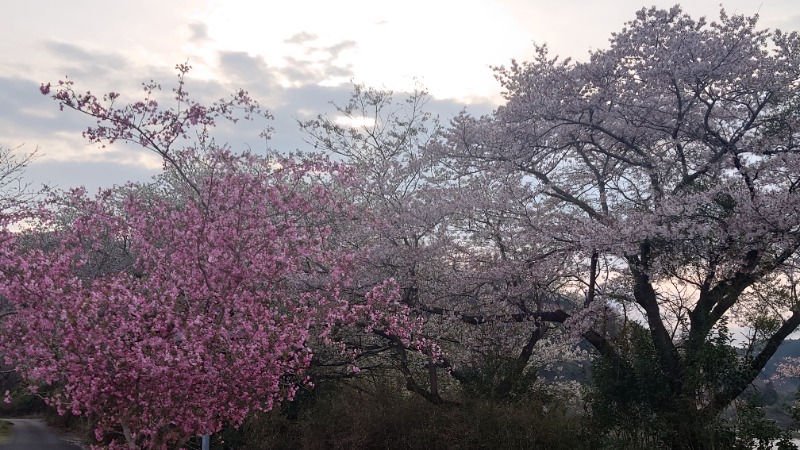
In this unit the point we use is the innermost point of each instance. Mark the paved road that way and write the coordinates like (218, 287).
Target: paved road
(32, 434)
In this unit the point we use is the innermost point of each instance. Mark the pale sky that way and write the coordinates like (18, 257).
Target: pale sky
(294, 57)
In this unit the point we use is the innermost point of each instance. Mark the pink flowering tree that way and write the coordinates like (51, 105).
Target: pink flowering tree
(168, 310)
(668, 165)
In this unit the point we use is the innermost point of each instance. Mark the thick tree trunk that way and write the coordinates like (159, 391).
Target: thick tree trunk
(507, 384)
(646, 297)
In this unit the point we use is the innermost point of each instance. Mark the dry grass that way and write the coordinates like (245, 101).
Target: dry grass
(5, 431)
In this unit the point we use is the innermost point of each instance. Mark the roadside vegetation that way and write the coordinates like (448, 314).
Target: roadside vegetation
(5, 431)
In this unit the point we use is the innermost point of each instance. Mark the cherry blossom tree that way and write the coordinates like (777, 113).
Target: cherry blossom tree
(15, 192)
(168, 316)
(667, 166)
(457, 246)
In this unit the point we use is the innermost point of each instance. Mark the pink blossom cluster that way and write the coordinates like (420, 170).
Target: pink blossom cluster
(168, 316)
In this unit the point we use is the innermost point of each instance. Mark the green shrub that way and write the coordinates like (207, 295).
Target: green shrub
(379, 414)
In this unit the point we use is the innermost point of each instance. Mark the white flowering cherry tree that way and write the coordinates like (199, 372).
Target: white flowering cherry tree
(669, 163)
(459, 247)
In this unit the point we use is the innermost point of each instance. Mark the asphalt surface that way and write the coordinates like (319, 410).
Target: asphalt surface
(33, 434)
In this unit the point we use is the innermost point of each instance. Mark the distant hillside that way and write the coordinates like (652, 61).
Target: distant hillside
(789, 348)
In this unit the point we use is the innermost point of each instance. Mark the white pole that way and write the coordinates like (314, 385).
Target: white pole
(206, 442)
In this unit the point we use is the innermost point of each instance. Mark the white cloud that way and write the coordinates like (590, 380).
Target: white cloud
(293, 56)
